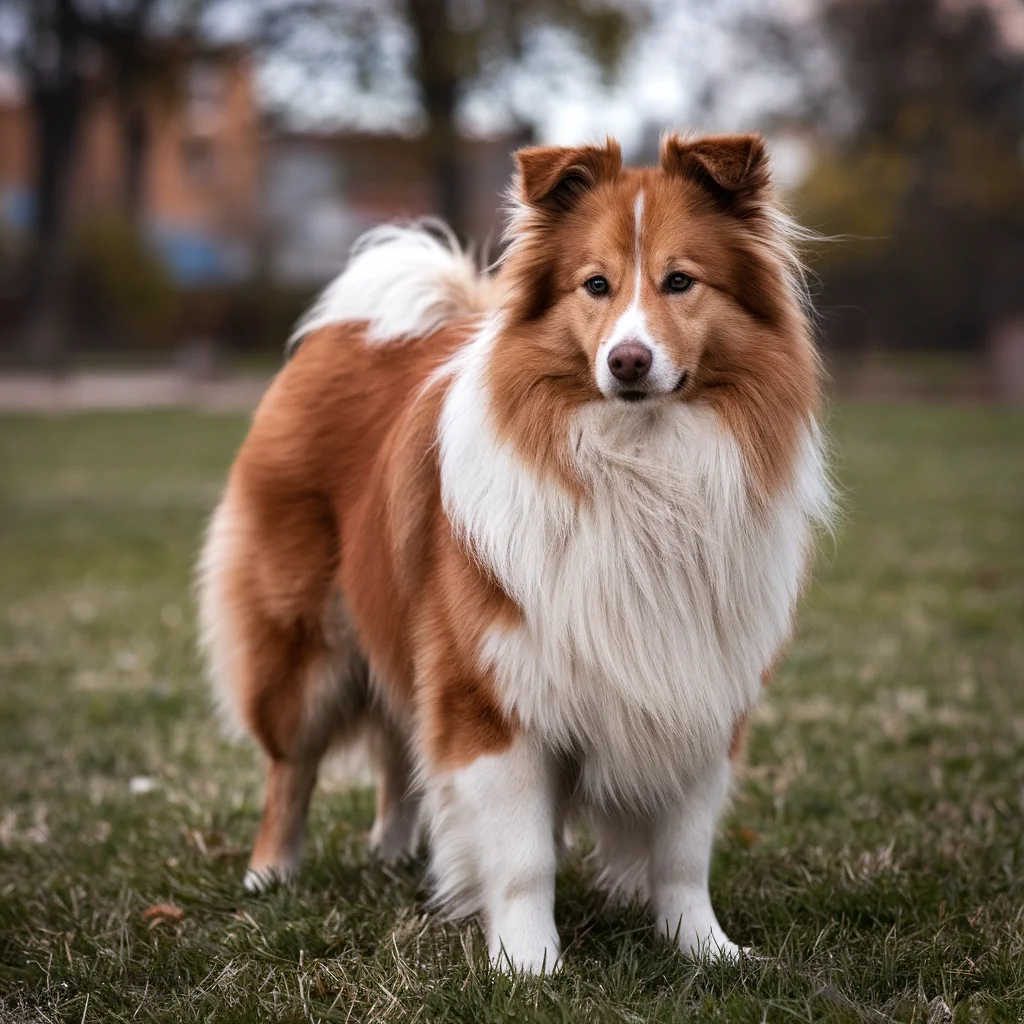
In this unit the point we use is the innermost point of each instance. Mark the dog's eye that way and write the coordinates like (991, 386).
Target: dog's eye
(678, 282)
(596, 285)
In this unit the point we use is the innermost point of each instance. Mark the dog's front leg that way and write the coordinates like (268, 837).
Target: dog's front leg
(493, 848)
(680, 856)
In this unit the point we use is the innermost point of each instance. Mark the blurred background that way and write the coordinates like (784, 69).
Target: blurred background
(178, 177)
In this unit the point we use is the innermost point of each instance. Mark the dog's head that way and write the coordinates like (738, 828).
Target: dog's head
(657, 285)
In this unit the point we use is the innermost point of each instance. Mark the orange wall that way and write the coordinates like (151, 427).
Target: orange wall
(222, 201)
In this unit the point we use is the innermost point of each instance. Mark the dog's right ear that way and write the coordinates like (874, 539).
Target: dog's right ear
(553, 178)
(733, 169)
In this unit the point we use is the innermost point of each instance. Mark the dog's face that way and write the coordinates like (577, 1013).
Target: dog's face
(646, 285)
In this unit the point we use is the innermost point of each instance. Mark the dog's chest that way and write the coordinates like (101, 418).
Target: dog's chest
(650, 610)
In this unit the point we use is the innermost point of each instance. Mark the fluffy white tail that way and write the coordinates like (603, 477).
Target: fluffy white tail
(406, 281)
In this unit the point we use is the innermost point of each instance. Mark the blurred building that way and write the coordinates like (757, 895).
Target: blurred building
(15, 157)
(200, 174)
(322, 189)
(222, 196)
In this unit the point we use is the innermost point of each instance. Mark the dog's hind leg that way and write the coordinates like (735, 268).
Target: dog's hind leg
(296, 724)
(396, 826)
(278, 848)
(285, 663)
(621, 854)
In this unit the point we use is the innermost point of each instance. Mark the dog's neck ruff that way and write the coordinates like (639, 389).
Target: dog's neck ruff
(651, 607)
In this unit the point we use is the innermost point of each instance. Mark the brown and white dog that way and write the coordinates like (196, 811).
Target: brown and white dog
(542, 533)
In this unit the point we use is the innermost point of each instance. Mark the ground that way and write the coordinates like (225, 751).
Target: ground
(873, 857)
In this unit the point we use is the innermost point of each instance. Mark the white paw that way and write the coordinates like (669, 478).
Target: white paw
(713, 949)
(258, 881)
(542, 959)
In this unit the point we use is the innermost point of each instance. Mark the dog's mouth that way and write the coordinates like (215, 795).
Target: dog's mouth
(640, 396)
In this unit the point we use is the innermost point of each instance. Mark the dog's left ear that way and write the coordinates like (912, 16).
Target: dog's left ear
(733, 168)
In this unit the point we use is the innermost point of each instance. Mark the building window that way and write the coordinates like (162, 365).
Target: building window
(204, 96)
(199, 161)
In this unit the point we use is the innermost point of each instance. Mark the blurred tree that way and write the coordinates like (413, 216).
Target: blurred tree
(123, 34)
(63, 50)
(49, 44)
(920, 105)
(125, 279)
(451, 53)
(446, 49)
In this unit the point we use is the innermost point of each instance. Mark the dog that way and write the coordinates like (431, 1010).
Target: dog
(540, 532)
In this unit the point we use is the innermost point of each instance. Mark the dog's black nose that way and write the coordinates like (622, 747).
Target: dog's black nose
(629, 361)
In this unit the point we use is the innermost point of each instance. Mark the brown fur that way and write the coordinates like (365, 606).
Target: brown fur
(348, 503)
(337, 491)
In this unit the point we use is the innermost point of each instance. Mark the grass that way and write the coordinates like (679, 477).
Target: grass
(874, 855)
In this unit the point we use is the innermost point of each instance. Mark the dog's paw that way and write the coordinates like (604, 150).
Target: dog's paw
(394, 840)
(540, 960)
(258, 881)
(715, 949)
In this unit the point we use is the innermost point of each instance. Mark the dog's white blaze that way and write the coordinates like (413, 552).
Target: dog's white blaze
(651, 609)
(638, 256)
(632, 326)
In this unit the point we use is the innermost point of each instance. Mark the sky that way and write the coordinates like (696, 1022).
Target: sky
(692, 53)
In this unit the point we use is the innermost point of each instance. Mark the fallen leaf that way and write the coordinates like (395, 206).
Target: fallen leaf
(162, 913)
(747, 837)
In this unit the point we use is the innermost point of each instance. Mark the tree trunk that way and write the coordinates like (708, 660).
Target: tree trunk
(57, 107)
(134, 149)
(447, 169)
(130, 61)
(437, 74)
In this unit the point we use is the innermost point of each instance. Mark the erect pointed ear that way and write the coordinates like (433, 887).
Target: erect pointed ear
(555, 177)
(733, 168)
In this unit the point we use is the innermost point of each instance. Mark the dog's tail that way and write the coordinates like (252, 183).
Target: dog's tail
(404, 282)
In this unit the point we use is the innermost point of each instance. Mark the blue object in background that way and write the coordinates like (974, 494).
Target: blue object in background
(193, 258)
(17, 208)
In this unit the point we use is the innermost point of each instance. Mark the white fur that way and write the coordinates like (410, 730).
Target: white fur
(405, 281)
(664, 859)
(679, 861)
(493, 851)
(621, 852)
(631, 325)
(652, 608)
(219, 639)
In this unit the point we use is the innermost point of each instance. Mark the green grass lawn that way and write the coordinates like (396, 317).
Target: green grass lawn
(874, 855)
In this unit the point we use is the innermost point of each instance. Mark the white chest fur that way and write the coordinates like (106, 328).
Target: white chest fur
(651, 610)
